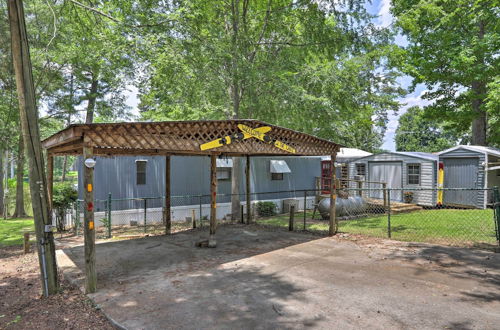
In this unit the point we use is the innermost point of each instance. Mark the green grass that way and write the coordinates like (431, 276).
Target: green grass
(435, 226)
(12, 230)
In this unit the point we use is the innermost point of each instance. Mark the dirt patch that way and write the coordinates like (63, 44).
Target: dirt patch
(23, 307)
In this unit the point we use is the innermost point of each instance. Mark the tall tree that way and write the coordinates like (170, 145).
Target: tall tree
(19, 210)
(453, 49)
(317, 66)
(415, 132)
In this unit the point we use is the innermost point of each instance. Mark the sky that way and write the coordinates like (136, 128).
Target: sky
(382, 9)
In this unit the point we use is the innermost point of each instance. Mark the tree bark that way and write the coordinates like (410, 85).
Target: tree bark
(20, 211)
(65, 164)
(479, 123)
(89, 119)
(31, 135)
(235, 188)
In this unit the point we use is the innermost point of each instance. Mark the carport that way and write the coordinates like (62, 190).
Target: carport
(222, 138)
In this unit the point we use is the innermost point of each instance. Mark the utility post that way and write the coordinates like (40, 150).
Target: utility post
(31, 136)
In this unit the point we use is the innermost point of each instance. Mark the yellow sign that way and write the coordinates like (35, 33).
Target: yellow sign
(258, 135)
(248, 132)
(91, 225)
(229, 139)
(89, 187)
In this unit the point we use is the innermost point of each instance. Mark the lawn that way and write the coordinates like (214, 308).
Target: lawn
(451, 226)
(12, 230)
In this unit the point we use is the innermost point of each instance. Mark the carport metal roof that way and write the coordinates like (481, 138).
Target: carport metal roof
(181, 138)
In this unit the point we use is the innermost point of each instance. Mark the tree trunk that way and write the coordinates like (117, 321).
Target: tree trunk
(65, 164)
(235, 189)
(1, 185)
(91, 103)
(31, 135)
(20, 211)
(479, 123)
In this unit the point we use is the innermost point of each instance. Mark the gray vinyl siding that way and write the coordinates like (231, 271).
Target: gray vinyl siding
(480, 175)
(190, 175)
(428, 175)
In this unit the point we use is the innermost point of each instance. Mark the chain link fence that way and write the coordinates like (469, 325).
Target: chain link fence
(400, 214)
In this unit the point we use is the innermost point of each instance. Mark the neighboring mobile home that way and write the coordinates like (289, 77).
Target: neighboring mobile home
(400, 171)
(470, 167)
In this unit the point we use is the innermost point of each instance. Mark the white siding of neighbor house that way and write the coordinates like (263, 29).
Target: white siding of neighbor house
(428, 174)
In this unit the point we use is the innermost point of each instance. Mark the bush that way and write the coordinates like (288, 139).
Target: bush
(266, 209)
(64, 197)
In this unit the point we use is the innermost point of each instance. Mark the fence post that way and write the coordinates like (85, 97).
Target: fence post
(360, 187)
(109, 215)
(305, 208)
(201, 215)
(77, 216)
(292, 215)
(388, 194)
(496, 206)
(193, 214)
(241, 213)
(145, 211)
(384, 187)
(26, 242)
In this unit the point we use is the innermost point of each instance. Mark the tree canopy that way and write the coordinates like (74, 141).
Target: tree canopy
(453, 49)
(416, 132)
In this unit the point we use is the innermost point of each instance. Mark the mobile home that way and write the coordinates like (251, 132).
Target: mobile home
(399, 171)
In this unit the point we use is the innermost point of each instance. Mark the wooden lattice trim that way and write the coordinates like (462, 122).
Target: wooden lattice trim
(182, 138)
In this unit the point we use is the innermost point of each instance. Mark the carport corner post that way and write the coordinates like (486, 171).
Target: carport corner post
(88, 219)
(213, 200)
(332, 229)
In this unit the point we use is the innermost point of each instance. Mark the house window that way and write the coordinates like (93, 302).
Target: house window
(413, 173)
(361, 169)
(277, 176)
(140, 166)
(224, 173)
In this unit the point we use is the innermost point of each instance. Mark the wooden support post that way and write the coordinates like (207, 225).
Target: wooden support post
(193, 216)
(26, 243)
(50, 179)
(213, 200)
(332, 229)
(292, 218)
(167, 215)
(88, 220)
(247, 187)
(360, 187)
(242, 215)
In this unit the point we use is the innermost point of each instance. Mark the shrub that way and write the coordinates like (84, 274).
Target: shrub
(64, 196)
(266, 209)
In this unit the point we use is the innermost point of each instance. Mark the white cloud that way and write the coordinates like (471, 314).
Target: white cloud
(132, 100)
(384, 12)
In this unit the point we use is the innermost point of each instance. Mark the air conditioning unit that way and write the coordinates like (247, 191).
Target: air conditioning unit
(359, 177)
(288, 202)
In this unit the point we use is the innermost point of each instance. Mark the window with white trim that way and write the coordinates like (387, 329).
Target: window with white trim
(140, 166)
(413, 173)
